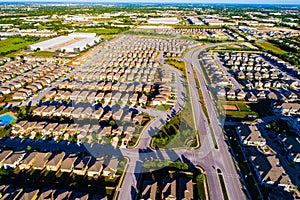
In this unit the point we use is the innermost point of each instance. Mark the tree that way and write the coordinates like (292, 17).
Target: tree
(112, 123)
(28, 148)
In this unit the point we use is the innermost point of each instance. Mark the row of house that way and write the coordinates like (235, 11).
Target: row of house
(124, 74)
(264, 160)
(266, 33)
(32, 81)
(264, 64)
(11, 192)
(92, 167)
(39, 82)
(57, 130)
(164, 96)
(106, 86)
(216, 74)
(201, 33)
(24, 64)
(282, 64)
(43, 59)
(15, 68)
(111, 98)
(116, 113)
(84, 132)
(252, 71)
(158, 44)
(256, 95)
(172, 189)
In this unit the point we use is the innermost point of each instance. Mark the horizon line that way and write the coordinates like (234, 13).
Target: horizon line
(142, 2)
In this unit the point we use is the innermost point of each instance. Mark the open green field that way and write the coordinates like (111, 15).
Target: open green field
(180, 65)
(271, 47)
(14, 45)
(43, 53)
(243, 109)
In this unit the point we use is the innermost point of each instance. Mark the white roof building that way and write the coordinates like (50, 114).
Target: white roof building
(74, 42)
(164, 20)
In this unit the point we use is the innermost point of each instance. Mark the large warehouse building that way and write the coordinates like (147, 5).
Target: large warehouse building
(164, 20)
(74, 42)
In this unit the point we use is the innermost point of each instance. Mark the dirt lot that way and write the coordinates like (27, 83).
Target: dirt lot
(230, 107)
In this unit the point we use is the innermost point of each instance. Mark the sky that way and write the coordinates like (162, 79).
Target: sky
(171, 1)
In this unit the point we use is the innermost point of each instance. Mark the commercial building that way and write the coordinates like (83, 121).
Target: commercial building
(74, 42)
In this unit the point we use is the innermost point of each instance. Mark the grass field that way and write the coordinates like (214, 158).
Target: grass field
(271, 47)
(105, 31)
(180, 65)
(242, 109)
(43, 53)
(11, 46)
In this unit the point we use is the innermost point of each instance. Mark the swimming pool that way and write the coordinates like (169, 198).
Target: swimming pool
(6, 119)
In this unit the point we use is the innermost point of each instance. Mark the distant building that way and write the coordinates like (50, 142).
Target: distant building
(164, 20)
(74, 42)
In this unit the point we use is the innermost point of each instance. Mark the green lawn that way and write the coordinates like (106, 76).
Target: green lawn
(244, 110)
(43, 53)
(14, 45)
(201, 181)
(180, 65)
(271, 47)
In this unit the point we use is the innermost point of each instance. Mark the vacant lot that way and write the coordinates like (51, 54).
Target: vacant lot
(238, 109)
(271, 47)
(180, 65)
(13, 45)
(230, 107)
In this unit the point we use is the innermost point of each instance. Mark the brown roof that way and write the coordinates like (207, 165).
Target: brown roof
(4, 154)
(55, 159)
(68, 162)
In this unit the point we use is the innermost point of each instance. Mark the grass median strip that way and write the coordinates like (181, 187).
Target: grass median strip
(221, 179)
(201, 96)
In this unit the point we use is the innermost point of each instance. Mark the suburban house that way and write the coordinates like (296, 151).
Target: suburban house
(4, 155)
(111, 169)
(28, 193)
(46, 193)
(270, 172)
(169, 189)
(13, 160)
(28, 161)
(186, 189)
(55, 161)
(95, 167)
(250, 135)
(291, 145)
(80, 166)
(67, 163)
(149, 190)
(288, 109)
(40, 160)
